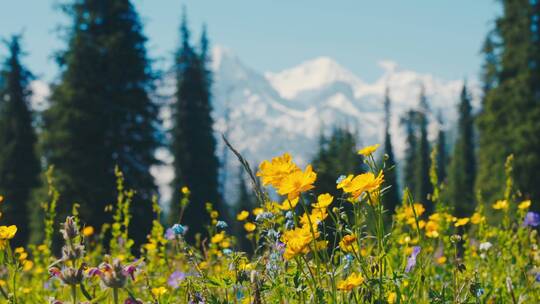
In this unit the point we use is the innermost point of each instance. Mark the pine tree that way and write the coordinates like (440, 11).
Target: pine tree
(19, 165)
(463, 167)
(391, 198)
(336, 156)
(245, 201)
(409, 173)
(423, 184)
(193, 142)
(442, 158)
(510, 119)
(101, 114)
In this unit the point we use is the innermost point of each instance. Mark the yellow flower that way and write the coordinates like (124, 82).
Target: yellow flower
(257, 211)
(476, 218)
(323, 201)
(250, 227)
(218, 237)
(185, 190)
(214, 214)
(391, 298)
(225, 244)
(159, 291)
(316, 216)
(500, 204)
(297, 240)
(1, 199)
(297, 182)
(524, 205)
(242, 216)
(441, 260)
(409, 212)
(27, 265)
(366, 182)
(367, 151)
(462, 222)
(352, 281)
(288, 204)
(348, 243)
(88, 231)
(7, 232)
(432, 229)
(272, 173)
(345, 181)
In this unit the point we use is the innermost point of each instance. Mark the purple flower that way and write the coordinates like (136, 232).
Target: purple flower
(532, 219)
(411, 261)
(169, 234)
(132, 301)
(176, 278)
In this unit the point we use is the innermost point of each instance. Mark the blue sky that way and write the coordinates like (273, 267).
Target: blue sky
(438, 37)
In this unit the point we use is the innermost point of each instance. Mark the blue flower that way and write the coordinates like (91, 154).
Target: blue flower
(289, 215)
(176, 278)
(340, 179)
(411, 261)
(264, 216)
(227, 251)
(179, 229)
(532, 219)
(221, 225)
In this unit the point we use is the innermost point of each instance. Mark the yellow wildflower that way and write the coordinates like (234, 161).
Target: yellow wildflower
(366, 182)
(367, 151)
(348, 243)
(441, 260)
(225, 244)
(391, 298)
(323, 201)
(88, 231)
(159, 291)
(214, 214)
(257, 211)
(250, 227)
(185, 190)
(218, 237)
(462, 222)
(476, 218)
(432, 229)
(27, 265)
(297, 241)
(242, 216)
(316, 216)
(345, 181)
(524, 205)
(289, 204)
(352, 281)
(297, 182)
(500, 204)
(272, 173)
(6, 234)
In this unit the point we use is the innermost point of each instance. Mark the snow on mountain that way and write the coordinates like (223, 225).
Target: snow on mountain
(264, 115)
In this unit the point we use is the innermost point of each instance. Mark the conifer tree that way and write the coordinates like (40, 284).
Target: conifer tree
(101, 114)
(19, 165)
(510, 119)
(442, 157)
(423, 184)
(463, 166)
(336, 156)
(409, 173)
(245, 201)
(391, 198)
(193, 142)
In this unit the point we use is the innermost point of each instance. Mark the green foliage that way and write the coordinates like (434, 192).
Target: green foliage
(101, 115)
(336, 156)
(463, 166)
(391, 199)
(510, 119)
(193, 144)
(19, 165)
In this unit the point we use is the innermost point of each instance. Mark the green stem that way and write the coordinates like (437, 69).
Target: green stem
(74, 293)
(115, 295)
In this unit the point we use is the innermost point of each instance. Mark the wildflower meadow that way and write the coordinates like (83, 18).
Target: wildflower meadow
(306, 249)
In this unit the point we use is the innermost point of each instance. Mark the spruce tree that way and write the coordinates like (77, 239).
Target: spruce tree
(423, 183)
(463, 166)
(193, 143)
(19, 165)
(391, 198)
(442, 157)
(101, 114)
(510, 119)
(409, 173)
(336, 156)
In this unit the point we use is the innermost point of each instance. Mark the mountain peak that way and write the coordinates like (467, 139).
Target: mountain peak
(314, 73)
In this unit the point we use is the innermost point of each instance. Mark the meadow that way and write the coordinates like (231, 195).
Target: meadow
(306, 249)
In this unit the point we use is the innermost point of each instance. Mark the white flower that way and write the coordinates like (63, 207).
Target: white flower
(485, 246)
